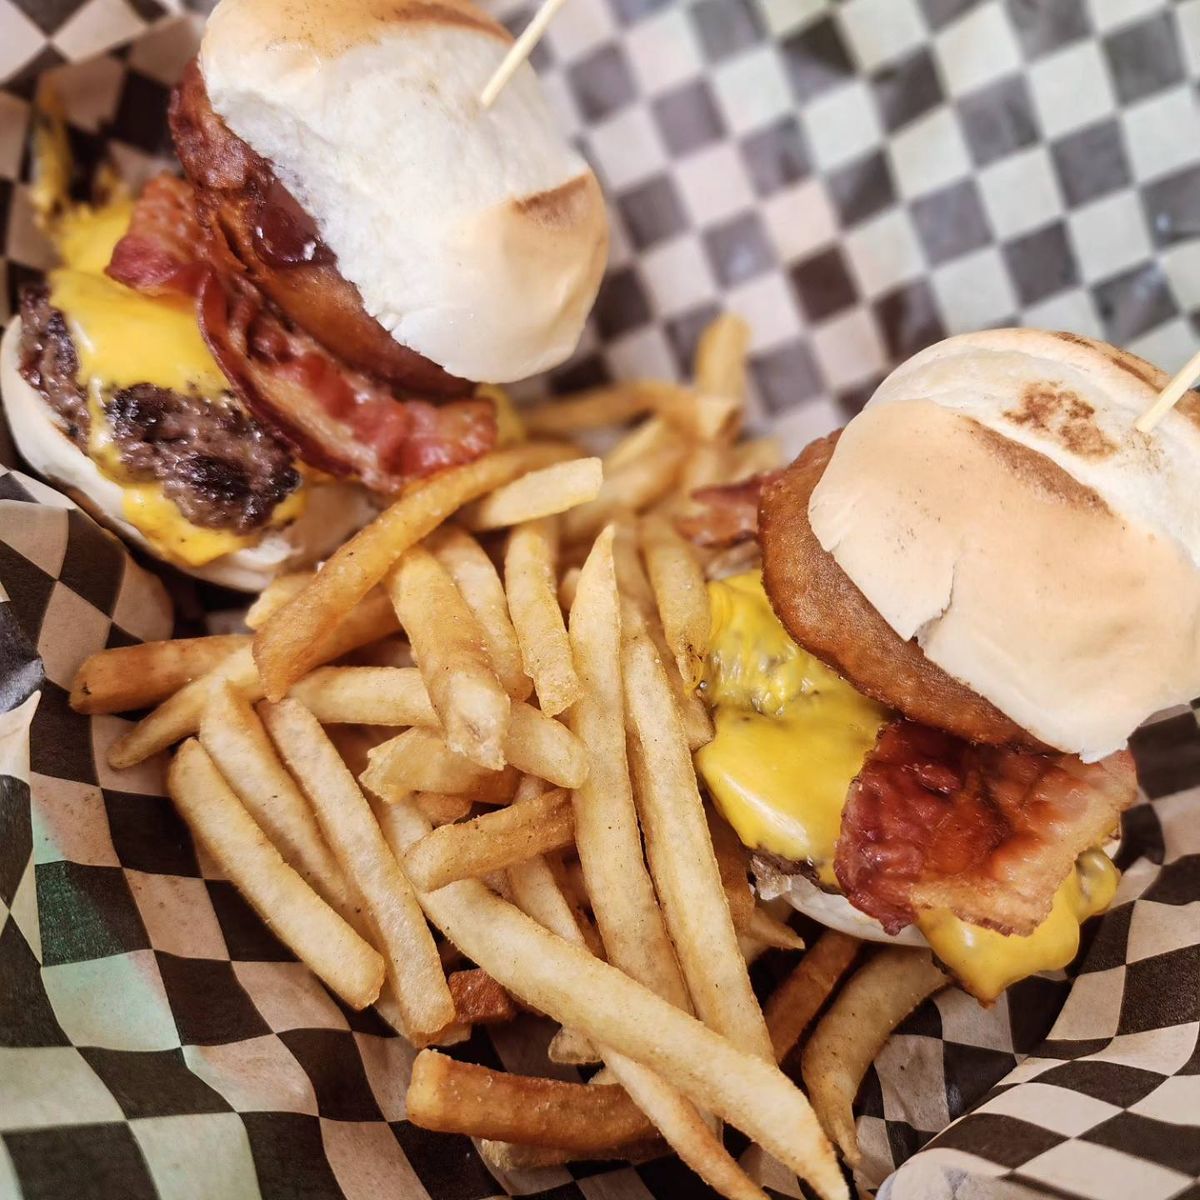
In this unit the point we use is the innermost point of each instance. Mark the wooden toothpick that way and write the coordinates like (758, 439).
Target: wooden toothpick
(1170, 395)
(520, 51)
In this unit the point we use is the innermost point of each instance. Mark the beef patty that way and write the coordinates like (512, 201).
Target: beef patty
(221, 468)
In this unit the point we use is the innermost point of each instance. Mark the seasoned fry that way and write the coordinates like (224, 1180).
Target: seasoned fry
(538, 494)
(455, 1097)
(129, 677)
(280, 591)
(179, 716)
(529, 579)
(451, 652)
(632, 487)
(479, 999)
(720, 368)
(476, 578)
(414, 969)
(607, 837)
(579, 991)
(291, 643)
(679, 588)
(491, 842)
(876, 999)
(297, 915)
(418, 760)
(798, 999)
(236, 741)
(680, 852)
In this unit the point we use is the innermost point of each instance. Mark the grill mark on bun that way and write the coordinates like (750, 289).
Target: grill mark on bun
(557, 205)
(1036, 469)
(1063, 416)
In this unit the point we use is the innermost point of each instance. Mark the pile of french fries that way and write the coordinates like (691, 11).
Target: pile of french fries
(452, 770)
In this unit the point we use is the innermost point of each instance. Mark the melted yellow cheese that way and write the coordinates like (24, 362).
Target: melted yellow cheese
(790, 734)
(987, 962)
(123, 338)
(790, 738)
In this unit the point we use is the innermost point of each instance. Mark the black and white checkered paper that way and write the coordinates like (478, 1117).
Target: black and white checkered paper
(857, 179)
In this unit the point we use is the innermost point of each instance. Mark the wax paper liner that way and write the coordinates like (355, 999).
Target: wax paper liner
(856, 179)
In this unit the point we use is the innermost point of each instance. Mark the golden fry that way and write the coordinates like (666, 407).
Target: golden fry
(290, 644)
(297, 915)
(451, 652)
(632, 487)
(538, 494)
(440, 808)
(797, 1000)
(414, 969)
(418, 760)
(720, 368)
(529, 579)
(491, 842)
(280, 591)
(682, 596)
(851, 1034)
(476, 577)
(479, 999)
(129, 677)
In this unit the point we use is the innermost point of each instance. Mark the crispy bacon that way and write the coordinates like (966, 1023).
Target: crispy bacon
(729, 513)
(988, 832)
(337, 418)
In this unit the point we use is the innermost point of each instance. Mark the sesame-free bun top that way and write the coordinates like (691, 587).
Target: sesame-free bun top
(994, 501)
(475, 237)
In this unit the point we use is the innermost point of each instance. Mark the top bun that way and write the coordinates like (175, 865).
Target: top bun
(477, 238)
(994, 501)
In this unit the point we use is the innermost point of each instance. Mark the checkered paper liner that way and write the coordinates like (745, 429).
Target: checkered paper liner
(857, 179)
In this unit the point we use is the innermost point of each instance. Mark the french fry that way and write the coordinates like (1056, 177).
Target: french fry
(479, 999)
(448, 1096)
(720, 367)
(451, 651)
(607, 837)
(129, 677)
(534, 742)
(650, 438)
(441, 809)
(491, 842)
(877, 997)
(414, 969)
(291, 642)
(367, 696)
(596, 408)
(679, 1121)
(733, 862)
(179, 716)
(236, 741)
(418, 760)
(476, 578)
(578, 990)
(772, 932)
(504, 1157)
(539, 494)
(797, 1000)
(632, 487)
(571, 1049)
(280, 591)
(297, 915)
(566, 588)
(754, 457)
(680, 852)
(679, 588)
(529, 579)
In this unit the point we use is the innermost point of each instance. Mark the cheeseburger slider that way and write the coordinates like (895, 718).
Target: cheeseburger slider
(969, 598)
(227, 368)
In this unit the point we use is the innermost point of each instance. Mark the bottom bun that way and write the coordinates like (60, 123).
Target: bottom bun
(332, 514)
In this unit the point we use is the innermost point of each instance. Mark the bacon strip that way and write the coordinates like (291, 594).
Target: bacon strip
(988, 832)
(729, 513)
(338, 419)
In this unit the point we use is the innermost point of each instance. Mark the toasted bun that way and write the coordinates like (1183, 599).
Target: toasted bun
(477, 238)
(994, 501)
(332, 514)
